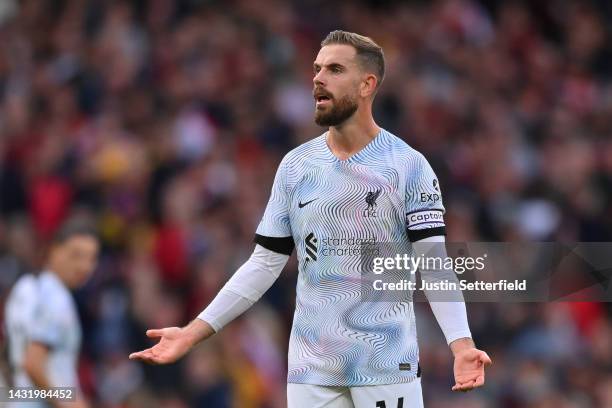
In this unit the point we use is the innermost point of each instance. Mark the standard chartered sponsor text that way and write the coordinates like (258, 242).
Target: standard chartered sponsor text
(332, 246)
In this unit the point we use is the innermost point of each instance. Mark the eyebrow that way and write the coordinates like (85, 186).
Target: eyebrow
(332, 65)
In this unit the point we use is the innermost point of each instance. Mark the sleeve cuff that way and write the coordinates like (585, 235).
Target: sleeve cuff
(212, 322)
(458, 335)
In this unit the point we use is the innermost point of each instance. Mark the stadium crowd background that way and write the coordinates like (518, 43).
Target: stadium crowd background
(163, 122)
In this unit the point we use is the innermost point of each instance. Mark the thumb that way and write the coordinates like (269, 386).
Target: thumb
(484, 357)
(154, 333)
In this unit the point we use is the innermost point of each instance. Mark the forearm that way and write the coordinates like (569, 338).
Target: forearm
(35, 365)
(36, 371)
(447, 306)
(224, 308)
(35, 362)
(39, 378)
(244, 288)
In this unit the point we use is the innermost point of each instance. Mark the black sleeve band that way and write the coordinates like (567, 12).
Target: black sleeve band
(417, 235)
(282, 245)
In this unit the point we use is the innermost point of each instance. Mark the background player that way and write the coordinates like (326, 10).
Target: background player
(42, 321)
(348, 72)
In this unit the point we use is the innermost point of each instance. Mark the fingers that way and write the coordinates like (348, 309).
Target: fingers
(469, 385)
(146, 356)
(139, 355)
(466, 386)
(154, 333)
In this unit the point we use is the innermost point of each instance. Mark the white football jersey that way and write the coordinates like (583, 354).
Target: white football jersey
(328, 208)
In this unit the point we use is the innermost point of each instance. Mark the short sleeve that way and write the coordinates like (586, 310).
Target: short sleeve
(274, 230)
(46, 326)
(424, 208)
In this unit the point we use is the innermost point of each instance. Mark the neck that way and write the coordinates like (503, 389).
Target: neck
(353, 135)
(55, 271)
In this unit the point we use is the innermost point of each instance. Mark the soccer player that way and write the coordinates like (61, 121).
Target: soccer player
(44, 332)
(355, 182)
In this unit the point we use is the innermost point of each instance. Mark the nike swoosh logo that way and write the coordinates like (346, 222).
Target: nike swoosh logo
(302, 205)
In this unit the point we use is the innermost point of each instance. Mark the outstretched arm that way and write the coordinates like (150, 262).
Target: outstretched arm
(449, 310)
(243, 289)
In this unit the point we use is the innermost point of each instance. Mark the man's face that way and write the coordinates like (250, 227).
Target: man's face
(337, 76)
(77, 258)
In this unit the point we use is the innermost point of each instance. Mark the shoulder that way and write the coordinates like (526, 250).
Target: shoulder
(302, 159)
(403, 153)
(52, 292)
(24, 292)
(312, 150)
(25, 284)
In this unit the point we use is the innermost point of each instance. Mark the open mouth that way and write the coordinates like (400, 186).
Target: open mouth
(322, 98)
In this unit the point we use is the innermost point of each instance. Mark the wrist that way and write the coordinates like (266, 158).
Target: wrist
(459, 345)
(197, 330)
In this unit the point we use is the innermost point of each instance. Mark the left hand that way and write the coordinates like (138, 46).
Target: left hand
(469, 369)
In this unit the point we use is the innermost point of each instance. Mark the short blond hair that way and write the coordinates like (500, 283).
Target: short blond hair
(370, 54)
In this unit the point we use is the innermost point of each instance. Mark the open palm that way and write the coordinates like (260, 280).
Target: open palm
(469, 369)
(173, 344)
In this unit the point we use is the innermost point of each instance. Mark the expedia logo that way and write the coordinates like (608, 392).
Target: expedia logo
(434, 197)
(426, 197)
(423, 217)
(311, 247)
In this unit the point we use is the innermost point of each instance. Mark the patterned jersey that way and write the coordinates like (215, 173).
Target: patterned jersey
(41, 309)
(327, 209)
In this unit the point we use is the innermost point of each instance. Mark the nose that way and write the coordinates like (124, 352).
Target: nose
(318, 79)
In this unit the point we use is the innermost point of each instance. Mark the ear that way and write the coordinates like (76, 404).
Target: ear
(368, 85)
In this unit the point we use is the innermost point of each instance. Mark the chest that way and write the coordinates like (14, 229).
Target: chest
(347, 197)
(68, 324)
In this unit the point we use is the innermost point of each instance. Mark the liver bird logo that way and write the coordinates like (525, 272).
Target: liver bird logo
(371, 198)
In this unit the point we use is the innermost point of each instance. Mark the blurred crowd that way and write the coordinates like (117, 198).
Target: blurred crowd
(163, 122)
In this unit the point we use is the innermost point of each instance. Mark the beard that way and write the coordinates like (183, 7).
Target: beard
(337, 114)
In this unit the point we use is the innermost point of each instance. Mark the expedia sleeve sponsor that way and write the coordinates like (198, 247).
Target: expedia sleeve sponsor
(424, 208)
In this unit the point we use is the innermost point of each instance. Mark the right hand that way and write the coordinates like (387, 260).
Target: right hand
(174, 342)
